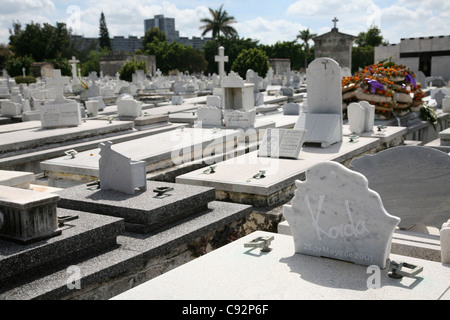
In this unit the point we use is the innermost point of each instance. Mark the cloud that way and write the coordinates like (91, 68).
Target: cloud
(269, 31)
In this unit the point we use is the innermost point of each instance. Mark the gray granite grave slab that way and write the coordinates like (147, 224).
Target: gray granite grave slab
(235, 176)
(132, 253)
(160, 150)
(86, 234)
(146, 210)
(413, 183)
(281, 274)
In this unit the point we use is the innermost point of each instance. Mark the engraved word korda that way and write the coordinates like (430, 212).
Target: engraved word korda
(343, 230)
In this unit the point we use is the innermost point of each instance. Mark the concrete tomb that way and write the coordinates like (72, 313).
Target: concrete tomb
(27, 216)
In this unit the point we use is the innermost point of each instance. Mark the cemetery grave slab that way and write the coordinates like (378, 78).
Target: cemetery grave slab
(16, 179)
(406, 178)
(135, 260)
(235, 178)
(220, 275)
(159, 151)
(146, 210)
(83, 235)
(46, 138)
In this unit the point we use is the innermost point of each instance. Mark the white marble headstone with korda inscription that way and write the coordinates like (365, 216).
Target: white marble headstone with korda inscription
(334, 214)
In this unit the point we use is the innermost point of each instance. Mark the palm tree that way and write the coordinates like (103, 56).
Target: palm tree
(305, 35)
(220, 22)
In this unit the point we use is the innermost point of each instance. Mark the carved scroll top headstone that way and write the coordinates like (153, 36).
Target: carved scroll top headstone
(334, 214)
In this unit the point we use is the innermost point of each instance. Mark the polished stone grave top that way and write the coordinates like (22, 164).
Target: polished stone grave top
(162, 204)
(413, 183)
(237, 272)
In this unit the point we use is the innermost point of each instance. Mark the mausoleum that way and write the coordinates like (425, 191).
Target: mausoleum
(335, 45)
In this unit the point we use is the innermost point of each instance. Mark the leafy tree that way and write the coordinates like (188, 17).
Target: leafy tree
(193, 60)
(15, 65)
(152, 34)
(40, 42)
(233, 47)
(372, 38)
(364, 51)
(220, 22)
(5, 54)
(92, 63)
(255, 59)
(175, 56)
(104, 40)
(306, 36)
(130, 67)
(287, 50)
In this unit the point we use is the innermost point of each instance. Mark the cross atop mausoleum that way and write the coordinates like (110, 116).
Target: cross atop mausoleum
(335, 21)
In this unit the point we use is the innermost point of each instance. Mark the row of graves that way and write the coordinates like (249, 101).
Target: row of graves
(117, 199)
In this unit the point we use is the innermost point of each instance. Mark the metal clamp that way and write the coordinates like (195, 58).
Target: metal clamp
(94, 184)
(71, 153)
(353, 138)
(260, 175)
(398, 270)
(64, 219)
(210, 170)
(260, 242)
(162, 190)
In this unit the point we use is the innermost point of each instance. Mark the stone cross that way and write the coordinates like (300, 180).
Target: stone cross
(221, 59)
(335, 20)
(73, 63)
(59, 83)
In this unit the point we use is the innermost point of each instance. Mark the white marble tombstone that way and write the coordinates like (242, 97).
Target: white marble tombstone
(120, 173)
(214, 101)
(210, 116)
(324, 118)
(445, 242)
(92, 107)
(177, 100)
(446, 104)
(370, 115)
(334, 214)
(10, 109)
(128, 107)
(356, 118)
(291, 109)
(60, 112)
(282, 143)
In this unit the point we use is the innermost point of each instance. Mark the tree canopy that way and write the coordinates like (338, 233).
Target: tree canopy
(104, 39)
(219, 24)
(40, 42)
(255, 59)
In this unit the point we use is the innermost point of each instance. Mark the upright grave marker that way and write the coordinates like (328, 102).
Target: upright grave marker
(324, 118)
(334, 214)
(282, 143)
(60, 112)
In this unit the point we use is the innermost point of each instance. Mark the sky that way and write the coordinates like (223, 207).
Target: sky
(262, 20)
